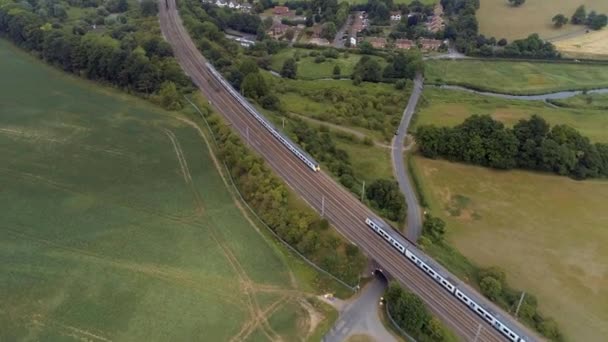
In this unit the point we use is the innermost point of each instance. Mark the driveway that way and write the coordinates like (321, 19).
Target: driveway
(360, 316)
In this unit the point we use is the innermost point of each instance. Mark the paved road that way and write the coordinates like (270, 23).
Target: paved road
(318, 189)
(361, 316)
(414, 217)
(338, 41)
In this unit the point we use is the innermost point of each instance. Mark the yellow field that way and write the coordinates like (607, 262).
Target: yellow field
(590, 45)
(549, 233)
(497, 18)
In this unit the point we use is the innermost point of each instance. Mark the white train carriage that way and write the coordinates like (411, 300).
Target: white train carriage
(291, 146)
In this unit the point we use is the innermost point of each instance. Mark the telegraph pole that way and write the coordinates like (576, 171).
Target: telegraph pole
(362, 191)
(521, 299)
(283, 123)
(477, 334)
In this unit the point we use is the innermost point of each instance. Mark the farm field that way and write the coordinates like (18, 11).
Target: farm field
(591, 45)
(451, 107)
(517, 77)
(498, 19)
(551, 231)
(309, 70)
(116, 224)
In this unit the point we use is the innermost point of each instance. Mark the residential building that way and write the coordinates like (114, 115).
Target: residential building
(430, 44)
(404, 44)
(395, 16)
(377, 42)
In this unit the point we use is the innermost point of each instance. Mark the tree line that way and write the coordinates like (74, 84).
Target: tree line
(129, 53)
(531, 144)
(412, 315)
(399, 66)
(299, 226)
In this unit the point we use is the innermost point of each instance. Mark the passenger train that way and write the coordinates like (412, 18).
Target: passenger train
(303, 156)
(405, 248)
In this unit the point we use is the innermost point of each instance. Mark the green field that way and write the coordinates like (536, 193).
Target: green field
(517, 77)
(547, 232)
(497, 18)
(309, 70)
(450, 107)
(116, 224)
(426, 2)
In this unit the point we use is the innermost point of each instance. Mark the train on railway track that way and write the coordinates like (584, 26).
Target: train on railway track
(291, 146)
(404, 247)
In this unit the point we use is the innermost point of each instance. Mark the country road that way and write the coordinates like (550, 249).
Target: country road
(414, 217)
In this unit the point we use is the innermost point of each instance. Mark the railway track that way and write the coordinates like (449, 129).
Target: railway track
(342, 209)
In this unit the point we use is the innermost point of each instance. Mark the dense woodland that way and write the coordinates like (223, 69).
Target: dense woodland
(531, 144)
(116, 44)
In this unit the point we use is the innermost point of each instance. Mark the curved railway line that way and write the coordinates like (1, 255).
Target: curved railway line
(342, 209)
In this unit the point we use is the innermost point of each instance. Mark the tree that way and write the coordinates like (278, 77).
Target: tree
(328, 31)
(559, 20)
(580, 16)
(491, 287)
(502, 42)
(148, 8)
(290, 34)
(366, 47)
(385, 195)
(598, 22)
(516, 3)
(169, 96)
(254, 86)
(290, 68)
(434, 228)
(337, 71)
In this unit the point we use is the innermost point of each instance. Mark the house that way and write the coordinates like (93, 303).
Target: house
(280, 10)
(404, 44)
(221, 3)
(377, 42)
(353, 41)
(278, 29)
(395, 16)
(430, 44)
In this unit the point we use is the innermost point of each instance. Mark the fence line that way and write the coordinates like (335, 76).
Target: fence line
(291, 248)
(410, 338)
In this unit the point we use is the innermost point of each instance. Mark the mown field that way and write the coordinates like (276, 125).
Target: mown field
(117, 226)
(499, 19)
(547, 232)
(591, 45)
(309, 70)
(517, 77)
(588, 101)
(451, 107)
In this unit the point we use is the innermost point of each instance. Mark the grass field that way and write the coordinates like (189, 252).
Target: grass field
(590, 45)
(309, 70)
(497, 18)
(117, 226)
(450, 107)
(560, 258)
(426, 2)
(517, 77)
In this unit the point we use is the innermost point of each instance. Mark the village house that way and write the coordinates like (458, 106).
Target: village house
(404, 44)
(282, 11)
(278, 29)
(395, 16)
(430, 44)
(377, 42)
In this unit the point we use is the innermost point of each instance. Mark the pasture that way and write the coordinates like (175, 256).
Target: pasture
(591, 45)
(450, 107)
(547, 232)
(116, 224)
(517, 77)
(589, 101)
(499, 19)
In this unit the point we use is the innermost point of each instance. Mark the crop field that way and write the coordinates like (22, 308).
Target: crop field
(517, 77)
(451, 107)
(309, 70)
(547, 232)
(591, 45)
(116, 224)
(498, 19)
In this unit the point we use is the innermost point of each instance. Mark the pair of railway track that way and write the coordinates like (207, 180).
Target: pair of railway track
(319, 190)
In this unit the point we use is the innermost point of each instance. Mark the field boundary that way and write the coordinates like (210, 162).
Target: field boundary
(242, 199)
